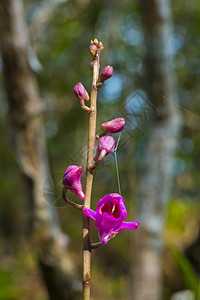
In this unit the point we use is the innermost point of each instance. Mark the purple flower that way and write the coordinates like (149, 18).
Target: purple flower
(109, 216)
(72, 181)
(106, 73)
(105, 146)
(80, 92)
(114, 125)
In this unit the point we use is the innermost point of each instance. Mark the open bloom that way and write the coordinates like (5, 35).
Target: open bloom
(109, 216)
(114, 125)
(72, 181)
(105, 146)
(106, 73)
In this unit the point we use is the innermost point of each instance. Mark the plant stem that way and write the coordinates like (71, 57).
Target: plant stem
(101, 156)
(75, 205)
(89, 179)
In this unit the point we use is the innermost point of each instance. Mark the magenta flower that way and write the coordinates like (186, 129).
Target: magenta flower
(105, 146)
(72, 181)
(109, 216)
(106, 73)
(80, 92)
(114, 125)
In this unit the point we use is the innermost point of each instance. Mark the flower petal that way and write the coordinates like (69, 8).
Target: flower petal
(106, 228)
(90, 213)
(107, 199)
(127, 225)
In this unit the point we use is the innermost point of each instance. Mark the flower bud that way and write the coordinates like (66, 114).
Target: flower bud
(100, 46)
(72, 181)
(105, 146)
(106, 73)
(114, 125)
(96, 42)
(91, 66)
(93, 50)
(80, 92)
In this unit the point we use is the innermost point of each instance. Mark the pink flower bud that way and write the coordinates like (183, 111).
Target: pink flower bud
(91, 66)
(72, 181)
(114, 125)
(80, 92)
(96, 42)
(105, 146)
(106, 73)
(100, 46)
(93, 50)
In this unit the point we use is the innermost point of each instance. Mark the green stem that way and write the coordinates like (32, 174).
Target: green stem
(89, 179)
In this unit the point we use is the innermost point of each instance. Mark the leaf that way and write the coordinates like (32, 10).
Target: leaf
(189, 276)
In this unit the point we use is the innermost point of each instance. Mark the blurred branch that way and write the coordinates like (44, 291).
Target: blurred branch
(42, 221)
(154, 187)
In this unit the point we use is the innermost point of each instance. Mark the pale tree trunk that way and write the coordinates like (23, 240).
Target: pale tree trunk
(154, 186)
(25, 108)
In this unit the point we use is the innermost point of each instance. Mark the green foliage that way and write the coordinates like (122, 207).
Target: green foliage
(8, 291)
(189, 276)
(179, 213)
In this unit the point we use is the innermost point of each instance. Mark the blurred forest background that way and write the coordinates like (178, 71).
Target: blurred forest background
(154, 48)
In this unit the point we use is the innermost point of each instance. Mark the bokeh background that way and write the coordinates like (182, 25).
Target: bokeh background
(60, 32)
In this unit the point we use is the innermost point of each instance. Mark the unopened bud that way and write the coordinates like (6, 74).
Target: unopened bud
(114, 125)
(93, 50)
(106, 145)
(72, 181)
(91, 66)
(80, 92)
(106, 73)
(96, 42)
(100, 46)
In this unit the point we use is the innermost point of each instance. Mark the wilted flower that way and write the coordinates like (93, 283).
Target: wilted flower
(80, 92)
(106, 73)
(72, 181)
(114, 125)
(109, 216)
(105, 146)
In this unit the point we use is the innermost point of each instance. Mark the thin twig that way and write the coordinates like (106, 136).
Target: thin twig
(116, 164)
(96, 245)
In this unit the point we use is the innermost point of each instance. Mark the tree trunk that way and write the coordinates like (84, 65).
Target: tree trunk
(25, 113)
(154, 186)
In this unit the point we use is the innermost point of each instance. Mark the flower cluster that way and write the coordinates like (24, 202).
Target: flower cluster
(111, 211)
